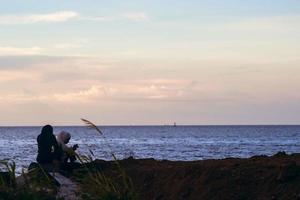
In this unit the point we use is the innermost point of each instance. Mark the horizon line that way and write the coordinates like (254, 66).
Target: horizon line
(141, 125)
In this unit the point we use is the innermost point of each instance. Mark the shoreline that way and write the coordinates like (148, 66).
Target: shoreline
(258, 177)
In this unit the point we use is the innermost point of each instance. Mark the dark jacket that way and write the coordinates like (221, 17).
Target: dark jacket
(48, 149)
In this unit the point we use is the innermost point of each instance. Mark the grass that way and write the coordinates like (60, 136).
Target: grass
(36, 185)
(105, 188)
(94, 184)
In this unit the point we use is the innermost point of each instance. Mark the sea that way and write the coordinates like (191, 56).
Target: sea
(186, 143)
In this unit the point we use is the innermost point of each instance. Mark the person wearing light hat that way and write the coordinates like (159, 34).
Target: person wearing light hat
(63, 139)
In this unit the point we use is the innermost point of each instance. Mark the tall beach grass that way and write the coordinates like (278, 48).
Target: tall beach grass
(94, 183)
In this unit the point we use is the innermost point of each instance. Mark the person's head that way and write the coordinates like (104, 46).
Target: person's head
(47, 130)
(64, 137)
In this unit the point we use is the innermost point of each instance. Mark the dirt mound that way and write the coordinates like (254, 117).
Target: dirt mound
(259, 177)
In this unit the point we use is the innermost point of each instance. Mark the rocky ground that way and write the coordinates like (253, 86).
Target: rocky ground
(259, 177)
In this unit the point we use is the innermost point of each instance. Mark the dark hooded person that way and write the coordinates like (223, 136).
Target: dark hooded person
(48, 149)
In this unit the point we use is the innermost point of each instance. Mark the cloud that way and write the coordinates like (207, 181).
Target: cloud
(60, 16)
(133, 16)
(77, 79)
(87, 95)
(13, 76)
(125, 92)
(101, 91)
(9, 50)
(137, 16)
(63, 16)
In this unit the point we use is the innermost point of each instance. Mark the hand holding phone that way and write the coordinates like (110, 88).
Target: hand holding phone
(75, 147)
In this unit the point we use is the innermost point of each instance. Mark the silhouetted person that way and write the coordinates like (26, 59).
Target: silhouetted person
(48, 150)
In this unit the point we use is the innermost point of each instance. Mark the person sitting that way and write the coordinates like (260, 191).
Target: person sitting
(48, 150)
(68, 153)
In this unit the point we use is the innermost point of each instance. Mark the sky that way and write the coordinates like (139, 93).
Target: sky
(149, 62)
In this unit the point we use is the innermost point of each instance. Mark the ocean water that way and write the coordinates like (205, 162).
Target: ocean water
(159, 142)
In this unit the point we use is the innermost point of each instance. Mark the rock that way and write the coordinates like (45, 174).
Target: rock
(288, 172)
(67, 189)
(280, 154)
(20, 180)
(159, 197)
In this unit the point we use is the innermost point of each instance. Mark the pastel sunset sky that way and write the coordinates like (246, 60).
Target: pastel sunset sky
(149, 62)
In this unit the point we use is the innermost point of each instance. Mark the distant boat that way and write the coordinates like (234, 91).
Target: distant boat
(175, 125)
